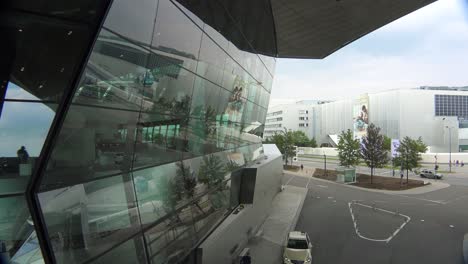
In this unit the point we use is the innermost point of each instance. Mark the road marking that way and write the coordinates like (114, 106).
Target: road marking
(290, 179)
(307, 185)
(451, 226)
(330, 197)
(380, 209)
(318, 197)
(322, 186)
(422, 220)
(422, 199)
(458, 198)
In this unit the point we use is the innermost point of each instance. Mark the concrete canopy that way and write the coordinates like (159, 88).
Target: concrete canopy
(310, 29)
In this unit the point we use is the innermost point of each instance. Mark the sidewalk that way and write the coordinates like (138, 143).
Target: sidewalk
(267, 245)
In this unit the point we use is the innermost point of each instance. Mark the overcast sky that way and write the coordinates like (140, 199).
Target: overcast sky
(427, 47)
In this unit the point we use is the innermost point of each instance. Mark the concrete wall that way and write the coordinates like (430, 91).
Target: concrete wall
(444, 157)
(317, 151)
(226, 242)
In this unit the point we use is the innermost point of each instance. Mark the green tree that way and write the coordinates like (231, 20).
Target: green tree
(284, 140)
(300, 139)
(348, 149)
(372, 151)
(312, 143)
(184, 180)
(212, 171)
(387, 143)
(409, 156)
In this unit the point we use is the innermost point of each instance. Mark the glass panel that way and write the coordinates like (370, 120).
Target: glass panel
(139, 26)
(23, 128)
(164, 144)
(176, 34)
(93, 142)
(132, 251)
(211, 61)
(210, 209)
(87, 219)
(15, 229)
(116, 75)
(171, 240)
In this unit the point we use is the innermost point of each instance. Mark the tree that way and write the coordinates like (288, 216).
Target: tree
(185, 181)
(284, 140)
(348, 149)
(300, 139)
(387, 143)
(211, 171)
(312, 143)
(409, 154)
(289, 149)
(372, 151)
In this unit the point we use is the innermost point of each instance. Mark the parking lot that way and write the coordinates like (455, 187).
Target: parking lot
(350, 225)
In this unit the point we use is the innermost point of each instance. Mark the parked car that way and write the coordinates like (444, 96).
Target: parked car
(298, 248)
(430, 174)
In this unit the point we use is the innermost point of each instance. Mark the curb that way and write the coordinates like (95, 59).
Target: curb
(465, 248)
(298, 211)
(405, 192)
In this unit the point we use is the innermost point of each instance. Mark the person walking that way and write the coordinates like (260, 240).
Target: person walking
(456, 164)
(462, 164)
(302, 167)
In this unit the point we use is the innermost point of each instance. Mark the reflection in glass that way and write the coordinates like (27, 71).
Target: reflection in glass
(176, 34)
(23, 129)
(93, 142)
(132, 251)
(86, 219)
(15, 228)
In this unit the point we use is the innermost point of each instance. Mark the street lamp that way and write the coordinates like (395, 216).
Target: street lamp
(450, 147)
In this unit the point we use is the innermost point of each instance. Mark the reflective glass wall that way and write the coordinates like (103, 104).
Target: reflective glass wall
(165, 110)
(43, 45)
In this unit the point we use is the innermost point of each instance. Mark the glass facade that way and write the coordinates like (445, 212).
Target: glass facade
(451, 105)
(129, 142)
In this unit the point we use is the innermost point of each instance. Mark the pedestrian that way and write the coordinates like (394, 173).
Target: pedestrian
(302, 167)
(436, 167)
(462, 164)
(456, 164)
(23, 155)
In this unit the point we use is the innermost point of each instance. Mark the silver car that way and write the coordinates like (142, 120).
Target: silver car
(430, 174)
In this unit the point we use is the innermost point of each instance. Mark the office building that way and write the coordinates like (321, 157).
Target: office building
(298, 116)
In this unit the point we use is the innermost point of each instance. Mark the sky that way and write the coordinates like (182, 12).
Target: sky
(426, 47)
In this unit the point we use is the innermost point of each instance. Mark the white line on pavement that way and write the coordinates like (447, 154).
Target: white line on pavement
(322, 186)
(290, 179)
(422, 199)
(380, 209)
(307, 185)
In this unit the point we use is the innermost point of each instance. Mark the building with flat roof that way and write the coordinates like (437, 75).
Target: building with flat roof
(298, 116)
(437, 114)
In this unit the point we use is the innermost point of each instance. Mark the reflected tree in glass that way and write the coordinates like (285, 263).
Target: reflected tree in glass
(211, 171)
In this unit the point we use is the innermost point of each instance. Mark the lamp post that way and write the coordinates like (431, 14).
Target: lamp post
(450, 148)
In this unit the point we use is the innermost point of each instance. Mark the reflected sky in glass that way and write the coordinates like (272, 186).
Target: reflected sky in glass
(16, 92)
(24, 124)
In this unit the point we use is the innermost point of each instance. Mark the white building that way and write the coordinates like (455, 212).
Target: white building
(437, 114)
(293, 116)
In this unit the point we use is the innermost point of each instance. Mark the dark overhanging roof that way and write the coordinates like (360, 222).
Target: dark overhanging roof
(310, 29)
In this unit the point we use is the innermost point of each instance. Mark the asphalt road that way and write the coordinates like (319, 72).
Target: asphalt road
(382, 228)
